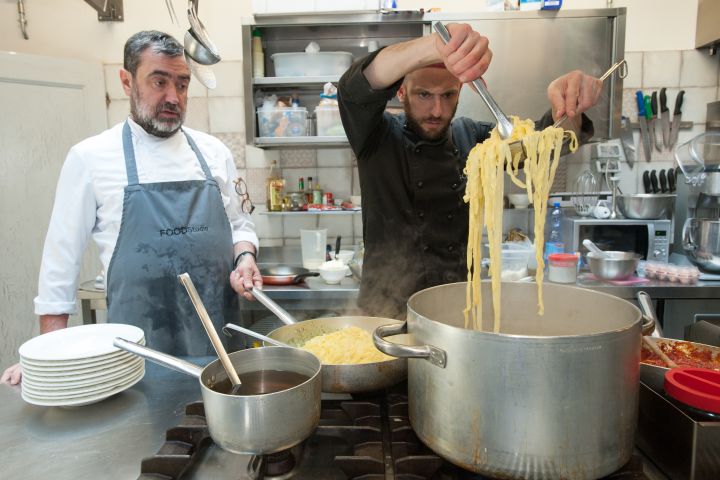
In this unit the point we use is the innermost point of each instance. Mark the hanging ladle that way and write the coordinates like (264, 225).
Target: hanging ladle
(210, 329)
(197, 42)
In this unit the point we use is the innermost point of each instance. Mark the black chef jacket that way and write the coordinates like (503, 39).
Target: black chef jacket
(415, 222)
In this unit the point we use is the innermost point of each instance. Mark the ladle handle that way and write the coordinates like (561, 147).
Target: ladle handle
(504, 126)
(160, 358)
(254, 334)
(209, 328)
(587, 243)
(283, 315)
(646, 307)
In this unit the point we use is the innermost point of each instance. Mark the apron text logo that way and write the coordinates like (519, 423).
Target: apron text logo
(169, 232)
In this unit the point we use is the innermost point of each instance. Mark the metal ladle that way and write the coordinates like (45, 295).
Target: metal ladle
(197, 42)
(210, 329)
(254, 334)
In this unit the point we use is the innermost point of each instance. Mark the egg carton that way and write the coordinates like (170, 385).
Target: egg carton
(672, 273)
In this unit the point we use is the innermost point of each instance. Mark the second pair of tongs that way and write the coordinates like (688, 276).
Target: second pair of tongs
(505, 126)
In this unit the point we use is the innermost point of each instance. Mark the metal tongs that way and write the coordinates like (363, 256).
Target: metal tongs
(504, 126)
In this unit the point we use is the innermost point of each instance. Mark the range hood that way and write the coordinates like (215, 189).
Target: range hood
(107, 10)
(708, 25)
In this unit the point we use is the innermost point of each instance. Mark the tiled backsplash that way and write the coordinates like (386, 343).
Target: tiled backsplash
(220, 112)
(694, 71)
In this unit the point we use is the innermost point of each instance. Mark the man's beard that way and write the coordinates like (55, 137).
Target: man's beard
(414, 124)
(147, 116)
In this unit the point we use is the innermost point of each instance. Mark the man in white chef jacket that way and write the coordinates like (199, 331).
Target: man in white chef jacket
(158, 199)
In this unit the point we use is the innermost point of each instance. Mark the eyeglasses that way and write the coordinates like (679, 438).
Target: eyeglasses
(242, 190)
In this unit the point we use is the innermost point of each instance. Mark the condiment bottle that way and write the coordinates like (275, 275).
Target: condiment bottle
(274, 187)
(258, 56)
(317, 194)
(308, 190)
(301, 185)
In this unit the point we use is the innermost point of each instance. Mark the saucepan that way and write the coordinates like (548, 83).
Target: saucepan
(341, 378)
(277, 408)
(284, 275)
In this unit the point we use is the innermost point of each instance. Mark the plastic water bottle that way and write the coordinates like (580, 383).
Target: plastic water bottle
(555, 242)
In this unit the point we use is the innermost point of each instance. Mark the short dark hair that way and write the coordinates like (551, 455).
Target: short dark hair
(161, 43)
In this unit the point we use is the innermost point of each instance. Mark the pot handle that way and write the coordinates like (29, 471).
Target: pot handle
(160, 358)
(299, 278)
(688, 235)
(650, 323)
(280, 312)
(432, 354)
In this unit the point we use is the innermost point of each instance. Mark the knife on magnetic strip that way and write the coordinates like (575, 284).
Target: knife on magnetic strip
(655, 122)
(642, 120)
(665, 118)
(677, 114)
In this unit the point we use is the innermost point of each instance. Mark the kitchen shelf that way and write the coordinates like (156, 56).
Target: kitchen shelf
(325, 212)
(295, 81)
(301, 142)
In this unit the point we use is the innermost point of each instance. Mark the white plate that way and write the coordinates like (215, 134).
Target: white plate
(81, 379)
(117, 357)
(77, 402)
(74, 343)
(83, 391)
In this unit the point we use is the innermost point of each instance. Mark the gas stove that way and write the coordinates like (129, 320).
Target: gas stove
(368, 438)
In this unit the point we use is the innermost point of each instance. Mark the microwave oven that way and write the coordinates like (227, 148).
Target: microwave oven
(649, 238)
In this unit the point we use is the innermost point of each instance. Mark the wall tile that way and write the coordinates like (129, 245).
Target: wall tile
(291, 242)
(293, 224)
(355, 181)
(229, 79)
(197, 89)
(260, 158)
(340, 157)
(113, 87)
(357, 225)
(256, 184)
(236, 143)
(118, 111)
(337, 225)
(629, 104)
(298, 158)
(226, 114)
(698, 69)
(270, 242)
(292, 177)
(196, 116)
(635, 70)
(661, 69)
(336, 180)
(695, 103)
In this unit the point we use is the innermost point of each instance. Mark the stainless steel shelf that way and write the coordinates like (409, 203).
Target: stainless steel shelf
(295, 81)
(301, 142)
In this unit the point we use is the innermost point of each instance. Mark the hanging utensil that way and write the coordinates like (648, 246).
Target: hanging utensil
(628, 141)
(663, 181)
(171, 11)
(203, 73)
(586, 193)
(197, 42)
(337, 247)
(665, 120)
(210, 329)
(677, 115)
(644, 134)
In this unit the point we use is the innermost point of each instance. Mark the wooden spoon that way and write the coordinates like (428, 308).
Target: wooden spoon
(650, 342)
(210, 329)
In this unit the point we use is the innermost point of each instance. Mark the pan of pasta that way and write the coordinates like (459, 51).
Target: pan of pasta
(350, 361)
(520, 380)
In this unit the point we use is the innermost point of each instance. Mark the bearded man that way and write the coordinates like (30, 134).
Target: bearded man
(159, 200)
(415, 222)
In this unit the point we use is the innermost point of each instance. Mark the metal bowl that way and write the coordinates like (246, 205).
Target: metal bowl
(619, 266)
(646, 206)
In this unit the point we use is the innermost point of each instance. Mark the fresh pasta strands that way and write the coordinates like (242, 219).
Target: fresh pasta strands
(484, 194)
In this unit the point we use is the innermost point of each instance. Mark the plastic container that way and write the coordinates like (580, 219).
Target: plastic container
(685, 275)
(328, 121)
(562, 267)
(302, 64)
(514, 258)
(282, 122)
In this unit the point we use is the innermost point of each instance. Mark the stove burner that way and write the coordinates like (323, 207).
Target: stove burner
(361, 439)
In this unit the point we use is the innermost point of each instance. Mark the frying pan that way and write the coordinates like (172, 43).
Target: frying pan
(252, 424)
(341, 378)
(284, 275)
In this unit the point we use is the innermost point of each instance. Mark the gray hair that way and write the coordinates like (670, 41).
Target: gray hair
(160, 43)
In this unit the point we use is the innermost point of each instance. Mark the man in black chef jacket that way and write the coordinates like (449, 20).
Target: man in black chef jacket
(415, 222)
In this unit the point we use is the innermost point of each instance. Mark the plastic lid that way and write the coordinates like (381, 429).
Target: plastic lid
(256, 33)
(565, 259)
(556, 205)
(696, 387)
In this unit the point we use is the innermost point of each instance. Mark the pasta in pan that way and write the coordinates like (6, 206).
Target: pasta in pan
(348, 346)
(485, 169)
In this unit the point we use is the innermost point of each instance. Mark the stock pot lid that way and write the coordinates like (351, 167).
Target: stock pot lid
(697, 387)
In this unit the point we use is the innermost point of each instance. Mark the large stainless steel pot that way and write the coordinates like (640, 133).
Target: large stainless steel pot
(551, 396)
(701, 242)
(253, 424)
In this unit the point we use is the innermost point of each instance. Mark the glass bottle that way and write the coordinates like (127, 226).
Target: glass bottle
(317, 194)
(308, 190)
(274, 187)
(258, 56)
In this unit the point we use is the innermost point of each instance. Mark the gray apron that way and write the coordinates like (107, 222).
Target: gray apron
(169, 228)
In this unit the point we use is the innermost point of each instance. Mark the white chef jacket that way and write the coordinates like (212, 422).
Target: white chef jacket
(89, 201)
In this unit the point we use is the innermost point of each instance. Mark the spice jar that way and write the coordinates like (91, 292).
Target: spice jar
(562, 267)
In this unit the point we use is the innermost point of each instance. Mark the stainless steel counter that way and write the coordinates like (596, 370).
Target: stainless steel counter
(104, 440)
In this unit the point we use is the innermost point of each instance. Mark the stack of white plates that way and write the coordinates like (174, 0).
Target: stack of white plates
(79, 365)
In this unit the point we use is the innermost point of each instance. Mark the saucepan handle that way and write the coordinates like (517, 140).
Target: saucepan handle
(160, 358)
(650, 323)
(432, 354)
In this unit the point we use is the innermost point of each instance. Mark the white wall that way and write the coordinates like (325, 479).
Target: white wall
(69, 28)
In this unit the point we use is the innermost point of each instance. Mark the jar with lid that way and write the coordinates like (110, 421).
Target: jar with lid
(258, 56)
(562, 267)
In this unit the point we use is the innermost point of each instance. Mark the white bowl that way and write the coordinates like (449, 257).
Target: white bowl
(519, 200)
(332, 272)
